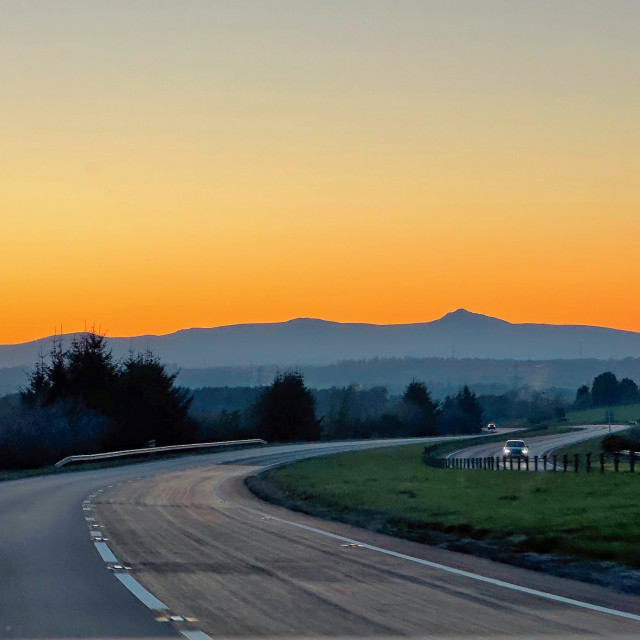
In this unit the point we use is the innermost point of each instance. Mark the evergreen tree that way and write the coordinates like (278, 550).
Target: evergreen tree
(470, 407)
(422, 410)
(148, 405)
(286, 410)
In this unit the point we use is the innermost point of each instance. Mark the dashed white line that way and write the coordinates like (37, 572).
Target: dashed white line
(195, 635)
(140, 592)
(105, 552)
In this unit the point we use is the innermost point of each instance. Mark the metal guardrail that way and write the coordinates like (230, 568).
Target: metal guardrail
(94, 457)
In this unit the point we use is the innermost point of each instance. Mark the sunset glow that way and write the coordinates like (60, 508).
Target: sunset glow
(172, 165)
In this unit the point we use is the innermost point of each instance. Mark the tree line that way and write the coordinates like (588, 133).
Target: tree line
(287, 410)
(80, 400)
(607, 391)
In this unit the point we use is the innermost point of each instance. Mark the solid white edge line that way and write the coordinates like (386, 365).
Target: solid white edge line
(436, 565)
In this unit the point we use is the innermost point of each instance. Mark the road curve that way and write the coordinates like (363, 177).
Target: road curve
(539, 445)
(53, 583)
(204, 545)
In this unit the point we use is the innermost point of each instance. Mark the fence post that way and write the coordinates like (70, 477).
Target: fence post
(602, 463)
(510, 463)
(555, 462)
(544, 461)
(588, 463)
(526, 463)
(565, 460)
(576, 458)
(616, 461)
(535, 463)
(504, 463)
(632, 461)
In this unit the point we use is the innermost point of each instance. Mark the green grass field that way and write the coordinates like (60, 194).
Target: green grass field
(390, 490)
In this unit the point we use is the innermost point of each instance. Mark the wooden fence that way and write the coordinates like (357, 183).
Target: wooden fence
(587, 463)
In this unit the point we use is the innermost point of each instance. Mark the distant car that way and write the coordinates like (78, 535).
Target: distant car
(491, 426)
(515, 449)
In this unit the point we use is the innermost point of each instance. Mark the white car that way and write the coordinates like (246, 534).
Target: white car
(515, 449)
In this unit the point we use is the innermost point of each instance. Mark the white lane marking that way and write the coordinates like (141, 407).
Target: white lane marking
(105, 552)
(90, 519)
(140, 592)
(195, 635)
(436, 565)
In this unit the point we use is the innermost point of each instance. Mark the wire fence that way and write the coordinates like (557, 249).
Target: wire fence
(585, 462)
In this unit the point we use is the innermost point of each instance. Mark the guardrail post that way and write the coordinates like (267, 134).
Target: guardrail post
(544, 461)
(510, 463)
(632, 461)
(555, 462)
(519, 462)
(565, 460)
(526, 463)
(616, 461)
(535, 463)
(576, 458)
(504, 463)
(588, 456)
(602, 463)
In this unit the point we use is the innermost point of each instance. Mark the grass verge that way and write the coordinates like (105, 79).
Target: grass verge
(504, 516)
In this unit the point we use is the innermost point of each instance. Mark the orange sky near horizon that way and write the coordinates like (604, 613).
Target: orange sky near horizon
(171, 166)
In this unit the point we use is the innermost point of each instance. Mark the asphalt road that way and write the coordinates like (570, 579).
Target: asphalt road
(539, 445)
(53, 583)
(232, 566)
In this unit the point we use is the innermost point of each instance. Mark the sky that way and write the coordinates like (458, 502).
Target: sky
(166, 165)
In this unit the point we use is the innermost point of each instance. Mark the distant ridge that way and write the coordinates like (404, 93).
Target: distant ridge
(460, 334)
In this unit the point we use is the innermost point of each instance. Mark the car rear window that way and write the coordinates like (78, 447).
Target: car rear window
(515, 443)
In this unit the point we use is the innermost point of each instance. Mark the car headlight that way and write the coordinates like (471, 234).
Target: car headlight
(525, 451)
(507, 451)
